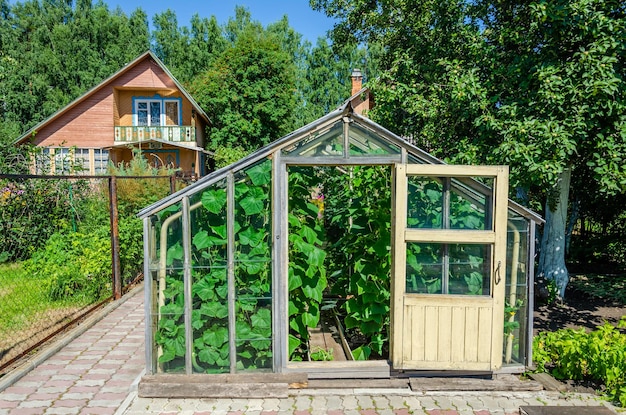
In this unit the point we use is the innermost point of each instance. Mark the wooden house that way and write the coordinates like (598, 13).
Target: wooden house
(142, 107)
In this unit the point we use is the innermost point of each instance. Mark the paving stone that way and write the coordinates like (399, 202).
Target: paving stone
(444, 403)
(396, 401)
(380, 402)
(254, 405)
(8, 404)
(459, 403)
(270, 406)
(13, 396)
(350, 403)
(318, 403)
(334, 403)
(36, 403)
(62, 410)
(365, 402)
(100, 411)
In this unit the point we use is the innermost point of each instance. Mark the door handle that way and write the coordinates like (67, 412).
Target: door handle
(497, 273)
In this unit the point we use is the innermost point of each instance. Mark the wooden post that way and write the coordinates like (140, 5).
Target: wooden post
(115, 239)
(173, 184)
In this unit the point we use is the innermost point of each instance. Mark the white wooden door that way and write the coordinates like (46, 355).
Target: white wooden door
(449, 263)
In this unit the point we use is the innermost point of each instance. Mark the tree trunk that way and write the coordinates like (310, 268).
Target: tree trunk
(552, 255)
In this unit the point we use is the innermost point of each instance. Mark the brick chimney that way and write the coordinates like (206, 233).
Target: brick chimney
(357, 81)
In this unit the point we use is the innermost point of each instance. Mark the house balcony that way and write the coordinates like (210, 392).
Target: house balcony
(174, 133)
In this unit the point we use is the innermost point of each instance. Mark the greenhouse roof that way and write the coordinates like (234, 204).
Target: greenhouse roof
(326, 142)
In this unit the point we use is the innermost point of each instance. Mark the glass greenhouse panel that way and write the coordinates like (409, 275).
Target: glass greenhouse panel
(327, 144)
(468, 272)
(208, 227)
(209, 259)
(444, 203)
(253, 334)
(169, 320)
(253, 267)
(363, 142)
(209, 320)
(516, 299)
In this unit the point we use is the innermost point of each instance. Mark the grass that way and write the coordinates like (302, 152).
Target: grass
(21, 297)
(26, 310)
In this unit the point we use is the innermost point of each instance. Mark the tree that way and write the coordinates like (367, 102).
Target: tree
(248, 91)
(536, 85)
(37, 39)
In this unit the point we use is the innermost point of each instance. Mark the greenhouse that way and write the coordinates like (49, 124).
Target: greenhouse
(340, 250)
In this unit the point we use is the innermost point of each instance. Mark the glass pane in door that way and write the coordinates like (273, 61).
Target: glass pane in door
(155, 113)
(424, 268)
(468, 270)
(425, 202)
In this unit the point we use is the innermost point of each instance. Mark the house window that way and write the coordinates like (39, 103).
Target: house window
(101, 161)
(81, 160)
(62, 161)
(156, 111)
(42, 162)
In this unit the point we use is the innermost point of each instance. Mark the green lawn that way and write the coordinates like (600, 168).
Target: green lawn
(25, 309)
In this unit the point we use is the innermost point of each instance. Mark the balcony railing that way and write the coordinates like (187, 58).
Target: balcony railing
(176, 133)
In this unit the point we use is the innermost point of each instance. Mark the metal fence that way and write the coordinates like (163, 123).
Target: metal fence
(86, 229)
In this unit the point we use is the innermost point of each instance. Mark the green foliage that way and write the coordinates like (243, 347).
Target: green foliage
(75, 266)
(536, 85)
(323, 355)
(32, 210)
(228, 155)
(37, 39)
(599, 355)
(611, 288)
(307, 271)
(248, 91)
(357, 206)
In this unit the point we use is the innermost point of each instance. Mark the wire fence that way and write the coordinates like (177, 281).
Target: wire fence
(68, 244)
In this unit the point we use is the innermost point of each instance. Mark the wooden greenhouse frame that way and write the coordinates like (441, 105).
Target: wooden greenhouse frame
(429, 332)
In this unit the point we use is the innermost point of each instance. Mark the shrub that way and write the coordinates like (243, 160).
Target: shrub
(32, 210)
(76, 266)
(599, 355)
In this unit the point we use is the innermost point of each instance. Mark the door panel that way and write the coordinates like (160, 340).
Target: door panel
(449, 246)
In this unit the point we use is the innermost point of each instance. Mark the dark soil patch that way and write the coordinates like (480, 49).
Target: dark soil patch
(578, 310)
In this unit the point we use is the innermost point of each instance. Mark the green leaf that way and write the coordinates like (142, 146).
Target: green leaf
(361, 353)
(254, 202)
(214, 309)
(261, 174)
(174, 253)
(294, 343)
(214, 200)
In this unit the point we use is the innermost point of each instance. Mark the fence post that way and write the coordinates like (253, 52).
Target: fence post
(115, 239)
(173, 184)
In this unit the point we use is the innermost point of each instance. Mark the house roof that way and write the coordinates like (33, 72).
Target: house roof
(92, 91)
(309, 134)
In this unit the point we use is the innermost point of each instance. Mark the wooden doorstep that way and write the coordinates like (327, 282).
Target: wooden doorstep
(244, 385)
(549, 382)
(466, 384)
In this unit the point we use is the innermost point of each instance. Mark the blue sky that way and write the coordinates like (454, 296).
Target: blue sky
(311, 24)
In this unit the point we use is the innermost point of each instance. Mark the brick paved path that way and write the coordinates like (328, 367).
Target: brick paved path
(365, 402)
(92, 374)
